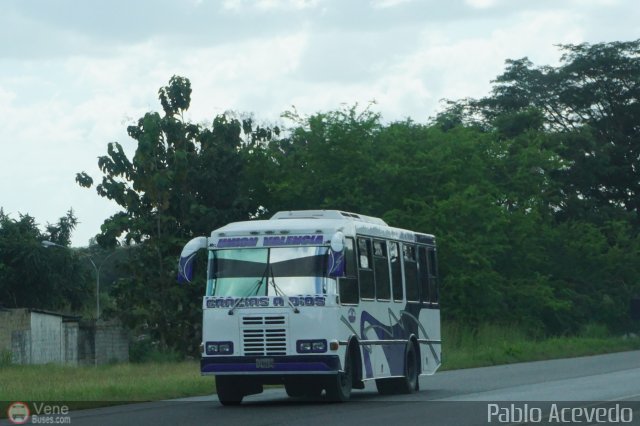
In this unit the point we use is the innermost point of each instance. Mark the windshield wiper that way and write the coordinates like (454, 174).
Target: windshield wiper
(251, 291)
(279, 292)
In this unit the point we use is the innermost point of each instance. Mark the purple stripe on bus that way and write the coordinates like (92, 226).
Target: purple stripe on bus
(293, 366)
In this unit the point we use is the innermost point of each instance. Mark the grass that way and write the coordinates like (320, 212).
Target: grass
(107, 383)
(121, 383)
(488, 344)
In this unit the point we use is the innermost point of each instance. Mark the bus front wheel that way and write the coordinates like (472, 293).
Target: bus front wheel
(229, 393)
(232, 389)
(306, 388)
(339, 386)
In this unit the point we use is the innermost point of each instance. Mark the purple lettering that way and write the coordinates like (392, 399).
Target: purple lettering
(237, 242)
(294, 240)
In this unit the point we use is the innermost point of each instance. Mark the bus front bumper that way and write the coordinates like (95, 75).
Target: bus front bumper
(265, 365)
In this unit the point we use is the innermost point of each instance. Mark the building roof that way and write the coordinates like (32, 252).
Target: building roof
(65, 317)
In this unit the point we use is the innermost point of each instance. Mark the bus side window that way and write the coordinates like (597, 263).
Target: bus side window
(396, 272)
(433, 276)
(410, 272)
(350, 257)
(365, 271)
(349, 293)
(381, 269)
(423, 268)
(364, 252)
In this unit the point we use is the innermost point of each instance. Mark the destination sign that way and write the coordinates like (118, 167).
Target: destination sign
(263, 302)
(269, 241)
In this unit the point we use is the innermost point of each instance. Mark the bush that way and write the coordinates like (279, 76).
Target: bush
(145, 350)
(5, 358)
(595, 331)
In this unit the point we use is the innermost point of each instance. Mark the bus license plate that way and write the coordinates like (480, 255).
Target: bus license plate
(264, 363)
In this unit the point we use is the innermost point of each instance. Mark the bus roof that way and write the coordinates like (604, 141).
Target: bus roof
(324, 222)
(327, 214)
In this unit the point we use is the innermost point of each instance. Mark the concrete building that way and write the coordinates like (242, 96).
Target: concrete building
(34, 336)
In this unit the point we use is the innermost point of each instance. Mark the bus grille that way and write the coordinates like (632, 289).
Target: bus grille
(264, 335)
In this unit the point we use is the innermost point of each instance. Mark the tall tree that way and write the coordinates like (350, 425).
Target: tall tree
(591, 102)
(567, 152)
(32, 276)
(183, 180)
(322, 161)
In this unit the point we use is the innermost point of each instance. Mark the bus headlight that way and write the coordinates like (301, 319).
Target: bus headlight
(319, 346)
(311, 346)
(304, 346)
(219, 348)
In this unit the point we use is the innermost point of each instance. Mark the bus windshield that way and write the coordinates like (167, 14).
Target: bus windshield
(253, 272)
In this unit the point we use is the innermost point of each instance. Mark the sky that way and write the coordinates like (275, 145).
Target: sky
(74, 73)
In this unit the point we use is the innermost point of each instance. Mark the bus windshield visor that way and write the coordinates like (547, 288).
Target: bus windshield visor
(253, 272)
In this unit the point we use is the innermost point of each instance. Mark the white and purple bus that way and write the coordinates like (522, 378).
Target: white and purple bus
(317, 300)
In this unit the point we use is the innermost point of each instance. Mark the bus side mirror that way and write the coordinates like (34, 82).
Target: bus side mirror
(185, 264)
(337, 242)
(335, 264)
(335, 257)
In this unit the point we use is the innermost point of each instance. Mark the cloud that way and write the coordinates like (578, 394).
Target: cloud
(481, 4)
(75, 74)
(385, 4)
(268, 5)
(70, 28)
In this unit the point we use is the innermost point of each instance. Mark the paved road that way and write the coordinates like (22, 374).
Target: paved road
(581, 387)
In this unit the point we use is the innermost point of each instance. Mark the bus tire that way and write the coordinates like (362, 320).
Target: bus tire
(339, 386)
(406, 384)
(294, 389)
(229, 393)
(303, 388)
(410, 381)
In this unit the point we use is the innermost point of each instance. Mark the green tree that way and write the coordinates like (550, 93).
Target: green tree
(576, 125)
(323, 161)
(32, 276)
(183, 180)
(591, 103)
(531, 192)
(480, 194)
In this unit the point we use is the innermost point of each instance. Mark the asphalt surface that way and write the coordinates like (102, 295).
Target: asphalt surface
(545, 392)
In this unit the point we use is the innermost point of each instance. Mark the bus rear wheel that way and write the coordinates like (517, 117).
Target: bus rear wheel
(409, 382)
